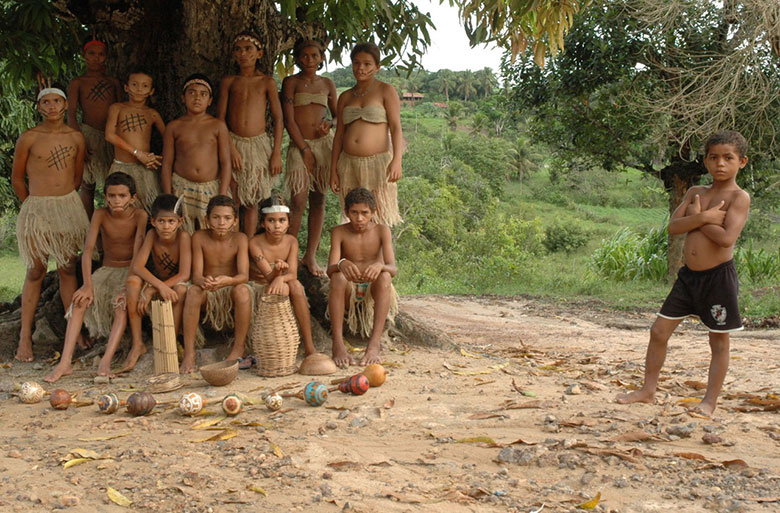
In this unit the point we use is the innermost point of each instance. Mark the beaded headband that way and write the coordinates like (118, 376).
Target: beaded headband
(251, 39)
(273, 209)
(51, 90)
(199, 81)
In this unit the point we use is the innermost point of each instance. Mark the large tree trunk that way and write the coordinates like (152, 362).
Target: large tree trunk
(678, 177)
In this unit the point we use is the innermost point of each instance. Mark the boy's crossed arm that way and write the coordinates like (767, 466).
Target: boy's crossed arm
(683, 221)
(725, 235)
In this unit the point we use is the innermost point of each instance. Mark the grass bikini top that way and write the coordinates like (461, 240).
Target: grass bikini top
(301, 99)
(369, 113)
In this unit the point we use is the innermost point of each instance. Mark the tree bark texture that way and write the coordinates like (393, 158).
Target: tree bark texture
(678, 177)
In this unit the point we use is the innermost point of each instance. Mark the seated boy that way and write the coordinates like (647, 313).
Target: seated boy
(196, 154)
(129, 129)
(220, 270)
(161, 267)
(361, 266)
(243, 101)
(712, 217)
(52, 221)
(100, 302)
(94, 92)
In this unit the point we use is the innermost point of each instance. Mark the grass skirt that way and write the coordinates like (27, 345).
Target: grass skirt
(100, 153)
(298, 180)
(147, 186)
(360, 314)
(108, 286)
(371, 173)
(254, 179)
(219, 311)
(51, 226)
(196, 199)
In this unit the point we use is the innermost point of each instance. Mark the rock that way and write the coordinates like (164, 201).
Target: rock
(332, 424)
(44, 335)
(359, 422)
(326, 490)
(69, 501)
(101, 380)
(587, 477)
(37, 366)
(522, 457)
(621, 482)
(681, 431)
(710, 438)
(574, 389)
(344, 414)
(14, 454)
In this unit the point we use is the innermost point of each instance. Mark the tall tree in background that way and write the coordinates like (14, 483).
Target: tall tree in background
(486, 81)
(466, 84)
(643, 82)
(445, 80)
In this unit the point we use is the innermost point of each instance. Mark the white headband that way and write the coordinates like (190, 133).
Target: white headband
(199, 81)
(247, 37)
(51, 90)
(276, 208)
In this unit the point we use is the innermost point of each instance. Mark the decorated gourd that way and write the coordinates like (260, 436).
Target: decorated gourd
(140, 403)
(108, 403)
(273, 402)
(355, 385)
(190, 404)
(315, 393)
(232, 404)
(31, 392)
(376, 374)
(60, 399)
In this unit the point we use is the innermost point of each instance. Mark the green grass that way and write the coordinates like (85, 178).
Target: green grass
(12, 277)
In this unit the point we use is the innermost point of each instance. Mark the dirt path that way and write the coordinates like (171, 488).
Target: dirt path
(488, 428)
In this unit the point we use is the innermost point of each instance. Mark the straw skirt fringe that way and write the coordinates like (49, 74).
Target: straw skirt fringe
(196, 199)
(108, 286)
(147, 186)
(254, 178)
(298, 180)
(219, 311)
(51, 226)
(371, 173)
(360, 314)
(100, 153)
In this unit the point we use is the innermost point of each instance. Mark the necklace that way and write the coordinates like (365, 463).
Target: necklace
(360, 95)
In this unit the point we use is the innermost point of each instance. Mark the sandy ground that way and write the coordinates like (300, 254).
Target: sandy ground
(518, 416)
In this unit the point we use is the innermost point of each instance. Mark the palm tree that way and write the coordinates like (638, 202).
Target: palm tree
(486, 80)
(466, 85)
(451, 114)
(445, 80)
(524, 160)
(479, 123)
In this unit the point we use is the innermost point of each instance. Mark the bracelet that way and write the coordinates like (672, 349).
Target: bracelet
(135, 152)
(338, 265)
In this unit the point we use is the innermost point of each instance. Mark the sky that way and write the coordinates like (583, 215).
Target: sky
(449, 47)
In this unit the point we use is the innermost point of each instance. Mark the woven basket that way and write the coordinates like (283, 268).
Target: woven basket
(275, 337)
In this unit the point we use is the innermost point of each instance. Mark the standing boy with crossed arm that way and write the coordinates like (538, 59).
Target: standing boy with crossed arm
(712, 217)
(243, 100)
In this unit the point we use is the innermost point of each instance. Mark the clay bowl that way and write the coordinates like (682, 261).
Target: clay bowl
(221, 373)
(318, 364)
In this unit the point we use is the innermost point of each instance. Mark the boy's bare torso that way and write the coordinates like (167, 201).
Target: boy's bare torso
(117, 235)
(220, 256)
(134, 125)
(165, 256)
(247, 104)
(196, 143)
(700, 252)
(96, 95)
(51, 162)
(362, 249)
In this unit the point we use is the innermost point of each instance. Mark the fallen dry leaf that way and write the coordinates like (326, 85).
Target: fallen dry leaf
(635, 436)
(511, 404)
(579, 421)
(104, 438)
(277, 450)
(346, 465)
(478, 440)
(257, 489)
(118, 498)
(469, 355)
(225, 434)
(735, 464)
(591, 503)
(486, 415)
(75, 461)
(389, 404)
(203, 424)
(692, 456)
(696, 385)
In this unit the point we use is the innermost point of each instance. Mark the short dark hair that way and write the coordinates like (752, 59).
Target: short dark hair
(120, 178)
(138, 72)
(220, 200)
(360, 195)
(369, 48)
(731, 137)
(302, 43)
(274, 199)
(199, 76)
(164, 203)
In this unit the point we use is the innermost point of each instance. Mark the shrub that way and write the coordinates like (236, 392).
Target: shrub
(627, 256)
(758, 266)
(564, 237)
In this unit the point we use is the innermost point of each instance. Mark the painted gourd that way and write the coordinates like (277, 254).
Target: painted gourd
(273, 402)
(376, 374)
(190, 404)
(60, 399)
(315, 394)
(108, 403)
(31, 392)
(232, 404)
(140, 403)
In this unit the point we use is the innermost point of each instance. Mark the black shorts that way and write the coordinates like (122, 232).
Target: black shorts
(711, 295)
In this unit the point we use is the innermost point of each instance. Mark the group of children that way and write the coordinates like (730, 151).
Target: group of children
(210, 269)
(211, 170)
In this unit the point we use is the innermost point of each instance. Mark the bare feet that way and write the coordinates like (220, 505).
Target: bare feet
(705, 409)
(371, 356)
(638, 396)
(234, 355)
(310, 263)
(104, 368)
(60, 370)
(25, 352)
(341, 357)
(132, 357)
(187, 365)
(83, 342)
